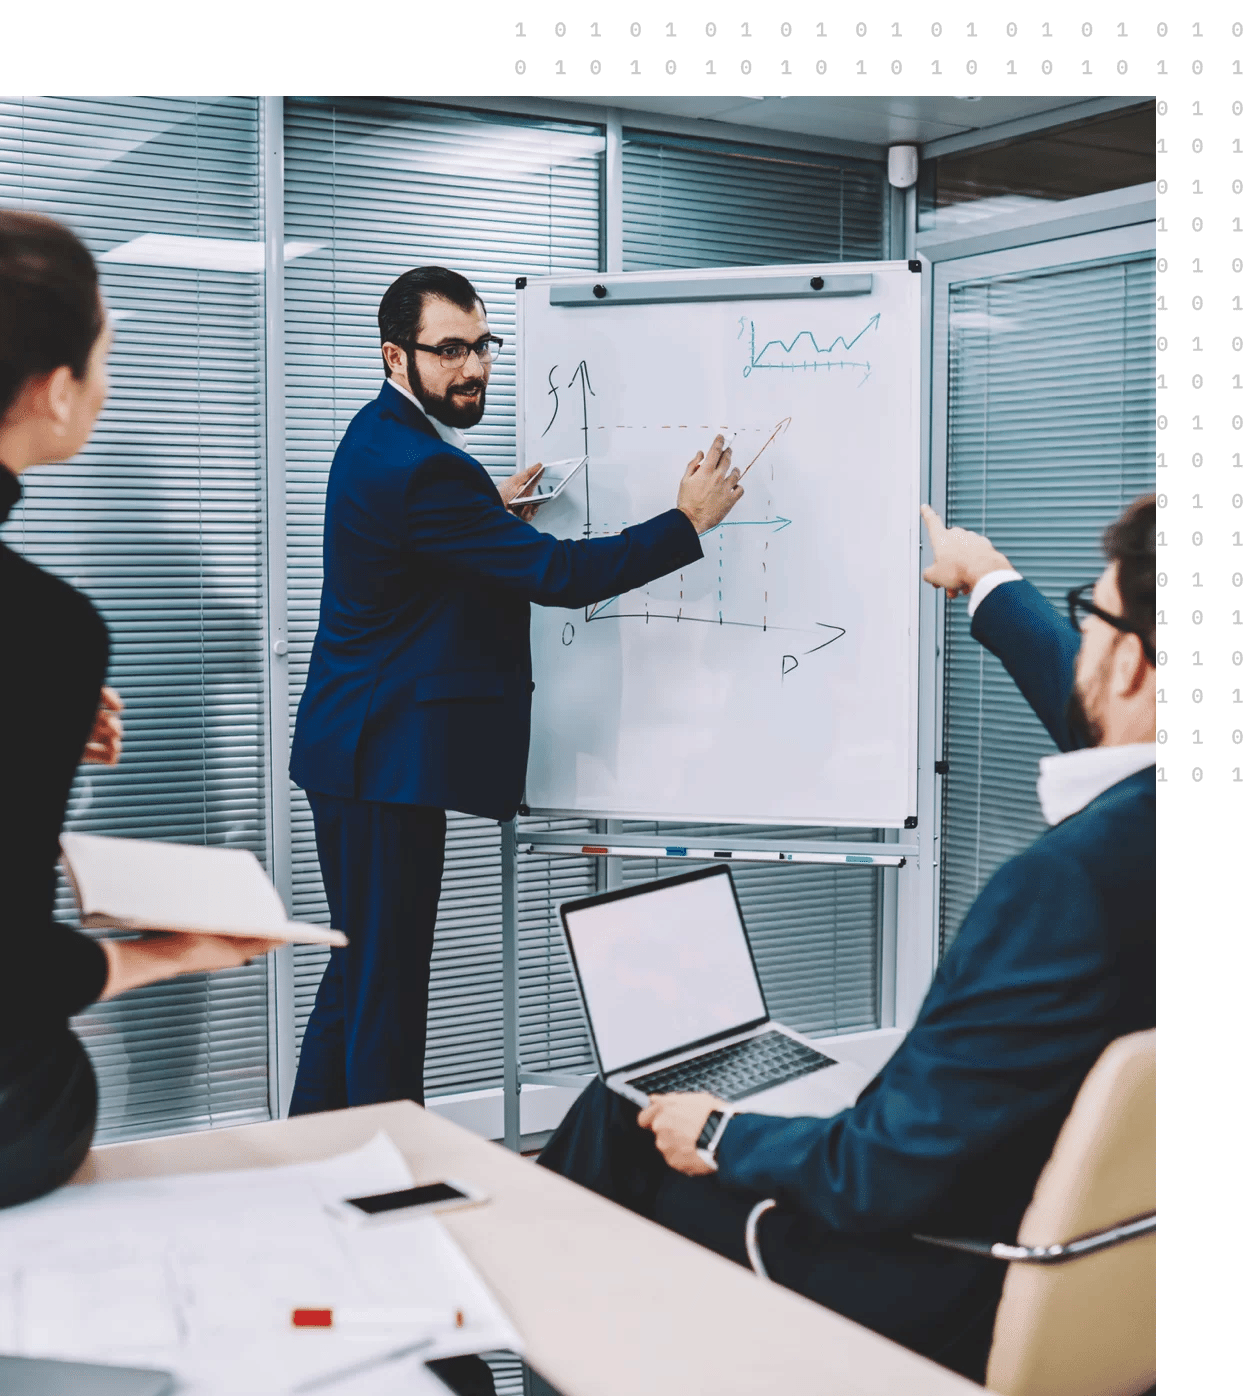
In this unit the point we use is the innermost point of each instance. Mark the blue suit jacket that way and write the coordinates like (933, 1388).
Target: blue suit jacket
(420, 682)
(1055, 958)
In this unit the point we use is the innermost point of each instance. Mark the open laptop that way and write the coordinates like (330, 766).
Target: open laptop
(673, 1002)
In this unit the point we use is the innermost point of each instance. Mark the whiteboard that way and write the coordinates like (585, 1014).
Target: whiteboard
(774, 681)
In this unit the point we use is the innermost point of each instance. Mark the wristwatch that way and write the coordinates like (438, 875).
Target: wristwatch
(712, 1133)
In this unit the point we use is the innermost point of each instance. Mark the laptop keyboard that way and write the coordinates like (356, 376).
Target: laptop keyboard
(738, 1070)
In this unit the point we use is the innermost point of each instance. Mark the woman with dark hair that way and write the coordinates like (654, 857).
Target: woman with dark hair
(54, 713)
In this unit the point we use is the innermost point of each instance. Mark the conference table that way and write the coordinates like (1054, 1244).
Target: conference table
(608, 1304)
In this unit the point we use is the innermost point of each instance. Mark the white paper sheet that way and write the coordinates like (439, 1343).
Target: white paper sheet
(200, 1273)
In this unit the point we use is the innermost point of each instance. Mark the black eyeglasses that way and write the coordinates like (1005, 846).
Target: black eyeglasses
(1079, 601)
(454, 355)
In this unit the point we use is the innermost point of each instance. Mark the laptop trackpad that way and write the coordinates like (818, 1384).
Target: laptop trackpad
(822, 1093)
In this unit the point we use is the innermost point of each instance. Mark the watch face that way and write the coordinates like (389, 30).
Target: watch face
(708, 1129)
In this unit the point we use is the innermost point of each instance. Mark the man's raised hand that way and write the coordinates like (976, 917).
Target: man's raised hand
(708, 488)
(960, 557)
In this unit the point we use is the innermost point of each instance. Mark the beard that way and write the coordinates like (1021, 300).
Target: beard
(454, 407)
(1079, 711)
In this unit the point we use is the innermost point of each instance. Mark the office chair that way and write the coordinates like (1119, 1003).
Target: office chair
(1078, 1312)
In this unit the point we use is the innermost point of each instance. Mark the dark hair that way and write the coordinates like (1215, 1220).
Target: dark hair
(1130, 542)
(50, 311)
(402, 306)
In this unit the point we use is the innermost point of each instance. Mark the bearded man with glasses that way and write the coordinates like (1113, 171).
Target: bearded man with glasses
(419, 690)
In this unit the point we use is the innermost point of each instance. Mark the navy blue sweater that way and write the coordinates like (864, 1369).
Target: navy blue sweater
(1054, 960)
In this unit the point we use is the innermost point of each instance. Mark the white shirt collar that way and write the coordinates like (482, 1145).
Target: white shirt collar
(1070, 780)
(449, 434)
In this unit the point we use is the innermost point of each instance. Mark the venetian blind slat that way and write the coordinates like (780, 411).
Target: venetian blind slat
(160, 521)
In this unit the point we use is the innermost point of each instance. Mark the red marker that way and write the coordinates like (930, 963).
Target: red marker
(352, 1316)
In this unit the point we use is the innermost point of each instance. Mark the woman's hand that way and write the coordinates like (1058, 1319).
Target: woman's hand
(104, 745)
(166, 954)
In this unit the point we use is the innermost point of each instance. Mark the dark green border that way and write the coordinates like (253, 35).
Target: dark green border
(1206, 956)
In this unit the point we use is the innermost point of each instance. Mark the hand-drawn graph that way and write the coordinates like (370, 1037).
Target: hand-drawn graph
(739, 551)
(793, 357)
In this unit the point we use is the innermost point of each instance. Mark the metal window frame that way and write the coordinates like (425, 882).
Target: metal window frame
(1029, 244)
(281, 965)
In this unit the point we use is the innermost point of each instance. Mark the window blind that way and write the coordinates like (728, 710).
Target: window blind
(379, 186)
(1050, 430)
(698, 203)
(160, 521)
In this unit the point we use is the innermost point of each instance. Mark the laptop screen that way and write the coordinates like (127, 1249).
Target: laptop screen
(663, 968)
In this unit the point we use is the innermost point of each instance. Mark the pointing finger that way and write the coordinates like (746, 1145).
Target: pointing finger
(934, 524)
(715, 453)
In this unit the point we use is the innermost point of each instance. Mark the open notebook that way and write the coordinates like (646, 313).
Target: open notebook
(140, 886)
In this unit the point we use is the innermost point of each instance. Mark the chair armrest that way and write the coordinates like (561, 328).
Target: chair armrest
(1048, 1255)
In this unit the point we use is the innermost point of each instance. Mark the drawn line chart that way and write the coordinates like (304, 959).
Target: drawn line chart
(663, 613)
(776, 354)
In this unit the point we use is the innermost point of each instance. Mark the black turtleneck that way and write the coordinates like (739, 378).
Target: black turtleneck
(55, 649)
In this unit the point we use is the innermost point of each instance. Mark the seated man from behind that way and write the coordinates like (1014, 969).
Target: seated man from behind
(1054, 960)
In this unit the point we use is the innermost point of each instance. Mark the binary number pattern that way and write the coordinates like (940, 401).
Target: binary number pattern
(1198, 70)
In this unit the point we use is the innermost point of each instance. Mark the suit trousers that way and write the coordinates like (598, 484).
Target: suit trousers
(367, 1035)
(939, 1303)
(47, 1112)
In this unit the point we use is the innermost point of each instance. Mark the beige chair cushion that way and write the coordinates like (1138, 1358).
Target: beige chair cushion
(1086, 1327)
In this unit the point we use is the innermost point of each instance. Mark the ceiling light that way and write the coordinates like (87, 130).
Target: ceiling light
(201, 254)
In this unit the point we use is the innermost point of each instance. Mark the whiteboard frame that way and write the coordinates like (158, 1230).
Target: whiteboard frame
(790, 273)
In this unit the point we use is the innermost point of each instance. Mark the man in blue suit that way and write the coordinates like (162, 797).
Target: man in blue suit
(1055, 959)
(420, 682)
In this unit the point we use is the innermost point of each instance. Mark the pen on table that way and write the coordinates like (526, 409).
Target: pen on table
(357, 1368)
(345, 1316)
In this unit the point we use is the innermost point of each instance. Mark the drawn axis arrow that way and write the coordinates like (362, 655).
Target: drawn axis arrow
(775, 524)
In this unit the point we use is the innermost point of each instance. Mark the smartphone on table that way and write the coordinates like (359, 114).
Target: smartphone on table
(408, 1203)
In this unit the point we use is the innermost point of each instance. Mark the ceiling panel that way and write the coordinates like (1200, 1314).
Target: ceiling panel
(876, 121)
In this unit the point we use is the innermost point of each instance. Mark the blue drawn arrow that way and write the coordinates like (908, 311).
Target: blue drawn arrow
(779, 522)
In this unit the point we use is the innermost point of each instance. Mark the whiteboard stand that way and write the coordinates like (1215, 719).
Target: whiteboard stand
(612, 846)
(791, 351)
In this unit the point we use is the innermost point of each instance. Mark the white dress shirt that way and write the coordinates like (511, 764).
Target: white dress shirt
(985, 585)
(449, 434)
(1069, 780)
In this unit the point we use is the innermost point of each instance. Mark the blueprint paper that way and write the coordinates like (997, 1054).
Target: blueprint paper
(200, 1273)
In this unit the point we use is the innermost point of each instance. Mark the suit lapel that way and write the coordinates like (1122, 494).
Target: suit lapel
(395, 404)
